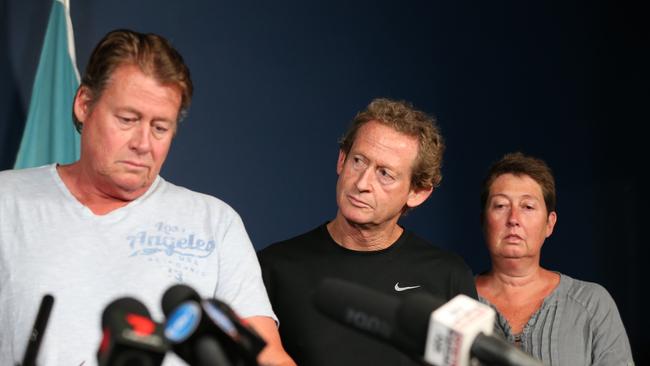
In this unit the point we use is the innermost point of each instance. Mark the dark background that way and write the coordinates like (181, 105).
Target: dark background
(277, 83)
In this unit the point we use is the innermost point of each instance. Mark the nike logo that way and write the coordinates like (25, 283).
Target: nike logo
(399, 289)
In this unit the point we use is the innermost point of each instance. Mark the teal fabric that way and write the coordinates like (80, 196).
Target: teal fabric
(49, 134)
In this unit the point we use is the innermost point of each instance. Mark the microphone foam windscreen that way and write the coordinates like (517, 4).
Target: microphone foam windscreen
(413, 317)
(176, 295)
(357, 306)
(124, 305)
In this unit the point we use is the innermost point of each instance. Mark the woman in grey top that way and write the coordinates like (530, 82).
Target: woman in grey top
(558, 319)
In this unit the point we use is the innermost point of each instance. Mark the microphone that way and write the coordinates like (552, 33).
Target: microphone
(196, 327)
(36, 336)
(434, 331)
(130, 336)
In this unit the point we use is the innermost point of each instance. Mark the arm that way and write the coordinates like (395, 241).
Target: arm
(610, 345)
(273, 354)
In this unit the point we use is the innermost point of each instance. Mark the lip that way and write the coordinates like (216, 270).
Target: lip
(513, 238)
(133, 164)
(357, 202)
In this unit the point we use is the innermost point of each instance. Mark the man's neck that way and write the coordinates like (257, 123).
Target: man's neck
(363, 237)
(86, 193)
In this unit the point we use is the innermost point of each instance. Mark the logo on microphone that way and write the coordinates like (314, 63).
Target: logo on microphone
(220, 318)
(141, 325)
(182, 322)
(368, 322)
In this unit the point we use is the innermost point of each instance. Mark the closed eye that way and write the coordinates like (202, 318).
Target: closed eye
(126, 119)
(161, 129)
(528, 205)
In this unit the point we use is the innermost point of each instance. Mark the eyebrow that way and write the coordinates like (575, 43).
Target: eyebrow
(128, 109)
(525, 196)
(139, 115)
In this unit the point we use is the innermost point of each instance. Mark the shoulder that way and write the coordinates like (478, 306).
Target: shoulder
(610, 343)
(588, 296)
(27, 184)
(194, 209)
(447, 273)
(584, 292)
(188, 200)
(416, 246)
(16, 178)
(296, 246)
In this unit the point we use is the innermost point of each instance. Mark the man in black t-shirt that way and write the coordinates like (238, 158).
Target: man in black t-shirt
(389, 162)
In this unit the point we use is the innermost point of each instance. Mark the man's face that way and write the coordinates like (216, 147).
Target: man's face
(127, 132)
(374, 182)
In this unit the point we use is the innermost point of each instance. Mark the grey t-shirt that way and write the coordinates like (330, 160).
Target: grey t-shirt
(577, 324)
(51, 243)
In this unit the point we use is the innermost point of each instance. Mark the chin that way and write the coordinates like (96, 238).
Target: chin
(357, 219)
(354, 214)
(514, 253)
(132, 186)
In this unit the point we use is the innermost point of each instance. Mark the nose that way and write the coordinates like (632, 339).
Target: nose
(513, 217)
(140, 141)
(363, 182)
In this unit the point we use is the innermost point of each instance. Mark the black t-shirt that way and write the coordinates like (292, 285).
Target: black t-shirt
(292, 269)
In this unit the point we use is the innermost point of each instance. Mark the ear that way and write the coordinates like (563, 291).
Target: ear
(340, 162)
(82, 103)
(417, 196)
(550, 223)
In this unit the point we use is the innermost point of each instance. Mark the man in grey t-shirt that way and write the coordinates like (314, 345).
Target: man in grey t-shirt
(108, 225)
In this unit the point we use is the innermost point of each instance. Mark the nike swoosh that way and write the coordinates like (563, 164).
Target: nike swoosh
(399, 289)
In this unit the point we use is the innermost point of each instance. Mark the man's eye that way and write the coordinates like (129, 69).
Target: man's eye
(358, 163)
(385, 177)
(160, 130)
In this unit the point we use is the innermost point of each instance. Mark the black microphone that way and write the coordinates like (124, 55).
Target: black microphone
(193, 323)
(130, 336)
(436, 332)
(246, 338)
(36, 336)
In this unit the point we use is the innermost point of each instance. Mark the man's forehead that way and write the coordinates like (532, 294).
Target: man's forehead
(148, 94)
(385, 136)
(375, 129)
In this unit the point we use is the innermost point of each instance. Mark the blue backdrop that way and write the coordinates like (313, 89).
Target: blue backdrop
(278, 82)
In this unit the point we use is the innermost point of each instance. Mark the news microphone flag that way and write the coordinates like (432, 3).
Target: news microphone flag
(49, 135)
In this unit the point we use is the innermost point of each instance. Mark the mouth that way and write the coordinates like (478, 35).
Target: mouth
(134, 165)
(511, 238)
(357, 202)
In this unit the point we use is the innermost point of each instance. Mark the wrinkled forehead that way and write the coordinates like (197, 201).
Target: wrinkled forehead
(515, 184)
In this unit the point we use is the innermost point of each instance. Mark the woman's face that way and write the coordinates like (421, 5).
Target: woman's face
(516, 219)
